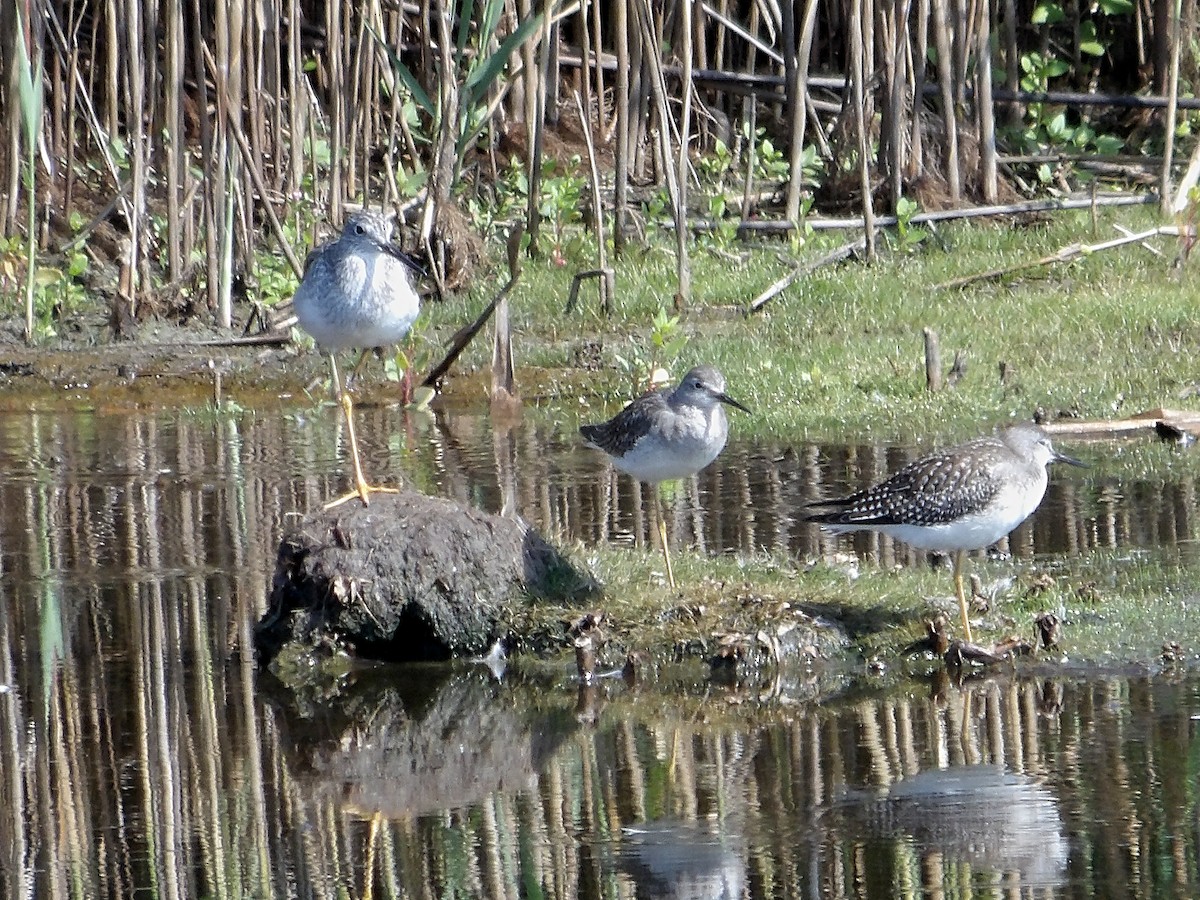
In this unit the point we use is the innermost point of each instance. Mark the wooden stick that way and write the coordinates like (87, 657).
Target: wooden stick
(942, 41)
(683, 265)
(605, 276)
(859, 74)
(255, 174)
(464, 336)
(769, 86)
(1063, 254)
(1123, 230)
(621, 155)
(606, 298)
(1185, 420)
(984, 106)
(1164, 188)
(843, 252)
(972, 212)
(800, 113)
(933, 362)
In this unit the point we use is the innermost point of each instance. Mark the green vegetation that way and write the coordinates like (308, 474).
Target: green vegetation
(839, 357)
(1117, 608)
(840, 354)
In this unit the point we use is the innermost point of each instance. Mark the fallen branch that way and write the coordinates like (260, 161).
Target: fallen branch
(1184, 420)
(783, 226)
(1152, 249)
(607, 278)
(1063, 254)
(266, 339)
(464, 336)
(843, 252)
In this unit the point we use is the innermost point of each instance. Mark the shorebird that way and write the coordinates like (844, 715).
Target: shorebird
(963, 498)
(357, 292)
(667, 434)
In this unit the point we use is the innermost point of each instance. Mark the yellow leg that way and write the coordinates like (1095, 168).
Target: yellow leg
(662, 533)
(959, 559)
(362, 489)
(661, 515)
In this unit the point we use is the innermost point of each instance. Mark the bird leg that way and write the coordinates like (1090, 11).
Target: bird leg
(959, 559)
(661, 514)
(362, 489)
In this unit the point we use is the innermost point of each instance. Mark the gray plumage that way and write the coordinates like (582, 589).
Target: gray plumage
(964, 497)
(357, 290)
(938, 488)
(669, 433)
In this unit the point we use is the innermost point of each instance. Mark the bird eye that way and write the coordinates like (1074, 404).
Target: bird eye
(360, 229)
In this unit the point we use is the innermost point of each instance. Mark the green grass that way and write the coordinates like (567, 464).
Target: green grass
(839, 357)
(1117, 608)
(840, 354)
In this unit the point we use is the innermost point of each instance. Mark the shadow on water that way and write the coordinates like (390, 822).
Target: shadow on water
(141, 752)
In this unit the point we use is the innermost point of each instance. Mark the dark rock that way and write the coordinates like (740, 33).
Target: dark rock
(409, 577)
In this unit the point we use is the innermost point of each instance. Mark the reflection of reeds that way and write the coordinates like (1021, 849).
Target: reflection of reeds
(135, 752)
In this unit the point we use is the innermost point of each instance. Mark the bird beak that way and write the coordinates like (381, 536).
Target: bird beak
(725, 398)
(1069, 460)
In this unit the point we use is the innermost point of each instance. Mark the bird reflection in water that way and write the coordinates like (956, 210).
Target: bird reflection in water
(678, 860)
(994, 820)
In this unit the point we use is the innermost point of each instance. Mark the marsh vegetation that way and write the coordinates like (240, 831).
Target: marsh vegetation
(177, 163)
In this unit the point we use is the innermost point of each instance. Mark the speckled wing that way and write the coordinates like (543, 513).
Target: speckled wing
(617, 436)
(934, 490)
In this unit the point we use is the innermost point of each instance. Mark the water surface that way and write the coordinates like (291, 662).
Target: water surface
(141, 750)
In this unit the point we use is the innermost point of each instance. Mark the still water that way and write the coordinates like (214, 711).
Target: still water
(141, 752)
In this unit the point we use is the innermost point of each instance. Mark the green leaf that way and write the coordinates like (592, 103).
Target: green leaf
(1056, 67)
(1088, 42)
(464, 25)
(1109, 144)
(490, 20)
(483, 75)
(407, 78)
(1116, 7)
(1047, 13)
(30, 99)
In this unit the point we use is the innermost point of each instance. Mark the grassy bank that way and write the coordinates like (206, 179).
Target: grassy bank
(841, 352)
(1117, 609)
(839, 357)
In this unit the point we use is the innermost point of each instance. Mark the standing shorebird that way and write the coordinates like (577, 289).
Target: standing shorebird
(667, 434)
(963, 498)
(357, 292)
